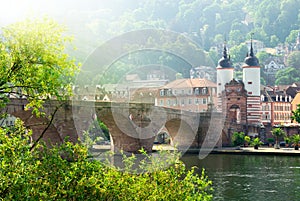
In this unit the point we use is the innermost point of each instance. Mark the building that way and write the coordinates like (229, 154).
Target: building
(224, 75)
(251, 79)
(271, 68)
(276, 107)
(195, 95)
(239, 100)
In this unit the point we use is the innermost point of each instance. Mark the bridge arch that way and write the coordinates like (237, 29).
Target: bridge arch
(106, 54)
(16, 108)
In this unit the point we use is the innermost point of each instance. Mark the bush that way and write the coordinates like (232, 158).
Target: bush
(238, 138)
(66, 172)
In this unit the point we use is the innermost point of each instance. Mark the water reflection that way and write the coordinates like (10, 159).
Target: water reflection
(249, 177)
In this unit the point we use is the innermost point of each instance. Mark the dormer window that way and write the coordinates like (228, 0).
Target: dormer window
(204, 91)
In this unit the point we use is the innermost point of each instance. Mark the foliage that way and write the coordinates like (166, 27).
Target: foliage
(278, 133)
(98, 130)
(271, 21)
(238, 138)
(295, 139)
(238, 52)
(66, 172)
(288, 75)
(287, 140)
(247, 139)
(271, 140)
(33, 62)
(293, 60)
(274, 23)
(262, 57)
(296, 114)
(256, 142)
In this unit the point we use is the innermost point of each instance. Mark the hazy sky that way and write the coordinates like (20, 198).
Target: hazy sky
(16, 10)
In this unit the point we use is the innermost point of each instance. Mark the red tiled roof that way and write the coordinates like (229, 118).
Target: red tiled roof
(190, 83)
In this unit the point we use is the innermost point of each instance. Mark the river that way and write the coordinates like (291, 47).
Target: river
(250, 177)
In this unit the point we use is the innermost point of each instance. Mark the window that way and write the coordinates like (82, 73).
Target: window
(168, 102)
(204, 100)
(175, 102)
(204, 91)
(162, 93)
(197, 91)
(182, 101)
(190, 101)
(249, 82)
(196, 101)
(161, 103)
(182, 91)
(174, 92)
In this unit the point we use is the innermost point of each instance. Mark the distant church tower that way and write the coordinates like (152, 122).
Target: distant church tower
(224, 75)
(251, 79)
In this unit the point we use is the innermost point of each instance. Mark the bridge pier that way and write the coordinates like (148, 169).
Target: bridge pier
(132, 126)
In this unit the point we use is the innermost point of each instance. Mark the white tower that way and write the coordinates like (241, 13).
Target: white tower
(251, 79)
(224, 75)
(251, 74)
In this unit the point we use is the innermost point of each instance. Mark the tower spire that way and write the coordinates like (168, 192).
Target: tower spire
(225, 50)
(251, 47)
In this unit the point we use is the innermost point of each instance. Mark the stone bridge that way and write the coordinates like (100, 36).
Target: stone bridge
(132, 126)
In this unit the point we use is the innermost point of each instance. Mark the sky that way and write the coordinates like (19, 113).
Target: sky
(16, 10)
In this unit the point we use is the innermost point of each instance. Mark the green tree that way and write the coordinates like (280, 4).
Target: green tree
(262, 56)
(287, 19)
(34, 63)
(274, 41)
(293, 60)
(238, 138)
(238, 52)
(66, 172)
(287, 76)
(296, 114)
(291, 39)
(278, 133)
(238, 74)
(98, 131)
(213, 55)
(296, 139)
(236, 37)
(256, 142)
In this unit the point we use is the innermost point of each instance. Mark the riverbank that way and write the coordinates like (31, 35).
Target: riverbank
(225, 150)
(260, 151)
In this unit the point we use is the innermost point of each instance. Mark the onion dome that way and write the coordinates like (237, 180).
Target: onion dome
(225, 62)
(251, 59)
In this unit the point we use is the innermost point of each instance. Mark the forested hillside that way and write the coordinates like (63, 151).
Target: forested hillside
(207, 22)
(204, 20)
